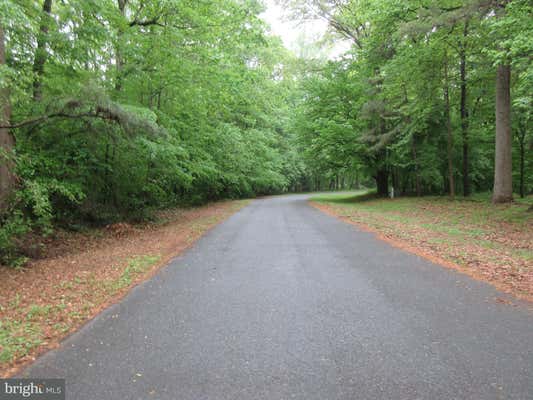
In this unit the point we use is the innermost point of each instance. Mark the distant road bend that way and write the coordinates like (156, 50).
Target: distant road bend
(283, 302)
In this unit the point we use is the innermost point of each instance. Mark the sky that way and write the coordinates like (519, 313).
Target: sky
(294, 32)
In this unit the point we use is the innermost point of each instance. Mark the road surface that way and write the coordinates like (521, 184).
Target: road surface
(283, 302)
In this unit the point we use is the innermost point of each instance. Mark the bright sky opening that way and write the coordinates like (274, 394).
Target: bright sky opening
(299, 36)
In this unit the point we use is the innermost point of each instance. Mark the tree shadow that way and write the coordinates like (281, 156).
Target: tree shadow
(346, 198)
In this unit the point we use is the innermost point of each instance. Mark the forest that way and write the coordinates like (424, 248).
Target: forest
(111, 109)
(422, 101)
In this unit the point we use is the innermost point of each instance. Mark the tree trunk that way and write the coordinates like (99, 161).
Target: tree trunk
(118, 49)
(503, 178)
(522, 145)
(449, 128)
(418, 187)
(464, 113)
(396, 182)
(382, 182)
(405, 185)
(7, 141)
(40, 52)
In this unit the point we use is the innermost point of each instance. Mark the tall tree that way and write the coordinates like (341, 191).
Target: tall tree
(7, 140)
(449, 129)
(513, 29)
(503, 165)
(464, 110)
(523, 107)
(119, 56)
(41, 51)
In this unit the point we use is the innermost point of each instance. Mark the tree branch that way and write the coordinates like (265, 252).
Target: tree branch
(147, 22)
(98, 113)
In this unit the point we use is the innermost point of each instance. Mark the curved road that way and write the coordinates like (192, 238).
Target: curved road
(283, 302)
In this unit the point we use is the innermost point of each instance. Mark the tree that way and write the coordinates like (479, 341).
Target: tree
(503, 176)
(464, 109)
(523, 106)
(449, 129)
(512, 27)
(41, 52)
(7, 178)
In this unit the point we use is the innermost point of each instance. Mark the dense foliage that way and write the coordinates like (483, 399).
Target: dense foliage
(122, 106)
(412, 105)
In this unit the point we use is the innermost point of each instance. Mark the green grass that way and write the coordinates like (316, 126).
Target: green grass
(476, 210)
(345, 197)
(135, 266)
(38, 311)
(525, 254)
(18, 338)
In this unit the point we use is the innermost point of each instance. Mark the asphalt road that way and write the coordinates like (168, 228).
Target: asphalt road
(284, 302)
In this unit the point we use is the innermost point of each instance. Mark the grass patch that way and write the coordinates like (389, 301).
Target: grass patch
(18, 338)
(345, 197)
(134, 267)
(459, 211)
(38, 311)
